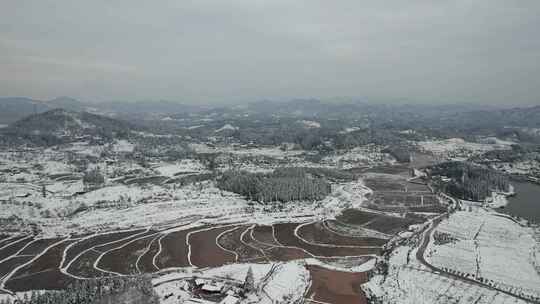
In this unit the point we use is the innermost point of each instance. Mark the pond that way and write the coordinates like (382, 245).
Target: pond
(526, 202)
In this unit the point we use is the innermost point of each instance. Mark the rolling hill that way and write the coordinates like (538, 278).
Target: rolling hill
(58, 125)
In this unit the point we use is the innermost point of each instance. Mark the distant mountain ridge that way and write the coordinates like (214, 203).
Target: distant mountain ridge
(67, 122)
(15, 108)
(458, 116)
(59, 125)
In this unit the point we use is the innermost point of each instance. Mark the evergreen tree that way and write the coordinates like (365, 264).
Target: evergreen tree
(249, 282)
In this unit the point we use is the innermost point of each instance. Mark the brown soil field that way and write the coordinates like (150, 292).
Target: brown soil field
(389, 208)
(247, 239)
(356, 217)
(264, 235)
(331, 286)
(285, 235)
(390, 225)
(96, 241)
(5, 239)
(145, 263)
(123, 260)
(417, 187)
(286, 254)
(382, 184)
(7, 266)
(204, 250)
(390, 198)
(250, 239)
(12, 249)
(43, 272)
(84, 265)
(38, 246)
(231, 241)
(118, 243)
(378, 222)
(397, 169)
(174, 249)
(317, 233)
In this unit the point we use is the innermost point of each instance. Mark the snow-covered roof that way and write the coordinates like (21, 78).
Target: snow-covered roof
(198, 301)
(212, 287)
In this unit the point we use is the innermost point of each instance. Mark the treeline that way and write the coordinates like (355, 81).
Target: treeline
(467, 181)
(136, 290)
(283, 185)
(516, 154)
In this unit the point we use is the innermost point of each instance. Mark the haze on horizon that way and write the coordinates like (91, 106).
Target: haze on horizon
(484, 51)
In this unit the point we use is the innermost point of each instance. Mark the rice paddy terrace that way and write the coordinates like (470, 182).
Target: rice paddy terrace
(28, 262)
(54, 263)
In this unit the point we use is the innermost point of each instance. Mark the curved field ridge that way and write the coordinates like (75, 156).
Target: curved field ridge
(318, 233)
(29, 263)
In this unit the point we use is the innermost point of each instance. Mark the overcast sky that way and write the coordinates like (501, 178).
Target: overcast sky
(204, 51)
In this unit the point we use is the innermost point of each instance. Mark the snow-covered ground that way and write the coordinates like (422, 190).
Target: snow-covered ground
(369, 155)
(67, 206)
(459, 149)
(183, 166)
(274, 152)
(164, 206)
(486, 245)
(347, 195)
(482, 244)
(409, 282)
(310, 124)
(277, 282)
(123, 146)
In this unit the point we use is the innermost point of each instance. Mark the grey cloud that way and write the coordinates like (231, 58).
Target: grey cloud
(240, 50)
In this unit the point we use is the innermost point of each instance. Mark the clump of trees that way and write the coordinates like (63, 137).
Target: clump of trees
(327, 173)
(136, 290)
(467, 181)
(283, 185)
(93, 179)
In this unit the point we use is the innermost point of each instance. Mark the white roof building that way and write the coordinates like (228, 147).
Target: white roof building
(217, 287)
(198, 301)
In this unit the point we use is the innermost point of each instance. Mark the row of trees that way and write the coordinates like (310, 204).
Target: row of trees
(282, 186)
(136, 290)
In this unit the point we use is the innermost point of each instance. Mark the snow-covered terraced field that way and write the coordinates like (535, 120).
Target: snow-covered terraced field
(57, 262)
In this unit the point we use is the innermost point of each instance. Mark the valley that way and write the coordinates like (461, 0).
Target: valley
(192, 213)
